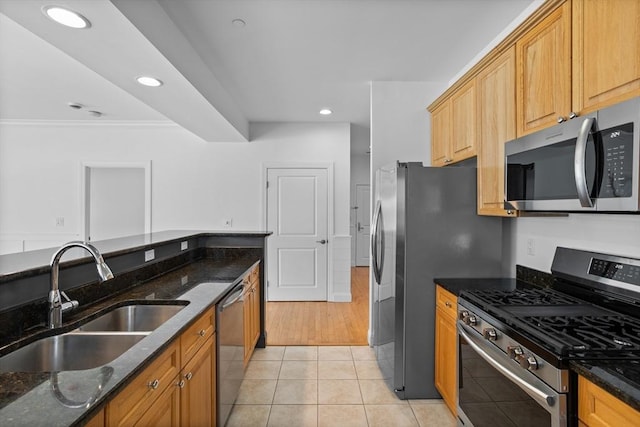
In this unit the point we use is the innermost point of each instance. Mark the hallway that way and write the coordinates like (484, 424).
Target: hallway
(322, 323)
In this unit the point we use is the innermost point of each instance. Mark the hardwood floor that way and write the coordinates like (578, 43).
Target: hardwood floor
(322, 323)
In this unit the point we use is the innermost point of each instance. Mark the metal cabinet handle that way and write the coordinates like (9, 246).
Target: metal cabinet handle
(322, 242)
(561, 119)
(573, 115)
(509, 212)
(202, 332)
(579, 160)
(189, 376)
(448, 160)
(448, 304)
(181, 384)
(154, 384)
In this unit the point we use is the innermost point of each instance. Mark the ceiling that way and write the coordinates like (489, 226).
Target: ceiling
(292, 58)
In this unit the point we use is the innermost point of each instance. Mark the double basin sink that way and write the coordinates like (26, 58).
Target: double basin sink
(93, 344)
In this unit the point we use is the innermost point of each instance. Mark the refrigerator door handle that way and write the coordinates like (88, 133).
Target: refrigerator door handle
(377, 245)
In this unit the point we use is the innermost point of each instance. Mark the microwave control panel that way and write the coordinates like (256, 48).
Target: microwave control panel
(617, 143)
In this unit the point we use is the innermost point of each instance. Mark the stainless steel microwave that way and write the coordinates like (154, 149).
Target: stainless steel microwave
(588, 164)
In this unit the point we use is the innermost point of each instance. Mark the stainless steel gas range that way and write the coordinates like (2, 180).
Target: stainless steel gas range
(515, 345)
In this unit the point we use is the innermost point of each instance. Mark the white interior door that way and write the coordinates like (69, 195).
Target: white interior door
(117, 201)
(297, 214)
(363, 215)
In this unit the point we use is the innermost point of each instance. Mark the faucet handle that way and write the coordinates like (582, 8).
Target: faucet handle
(69, 305)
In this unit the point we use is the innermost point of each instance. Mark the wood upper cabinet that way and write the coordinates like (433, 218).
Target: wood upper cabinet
(453, 127)
(463, 122)
(606, 52)
(598, 408)
(543, 56)
(496, 125)
(440, 135)
(446, 347)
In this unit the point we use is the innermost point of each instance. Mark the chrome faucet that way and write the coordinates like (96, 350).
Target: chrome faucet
(56, 306)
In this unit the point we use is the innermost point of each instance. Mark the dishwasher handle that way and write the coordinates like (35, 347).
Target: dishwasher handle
(233, 297)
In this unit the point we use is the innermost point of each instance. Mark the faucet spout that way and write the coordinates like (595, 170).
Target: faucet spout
(56, 306)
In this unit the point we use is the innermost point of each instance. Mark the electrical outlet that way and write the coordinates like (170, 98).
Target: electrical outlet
(184, 280)
(149, 255)
(60, 221)
(184, 245)
(228, 222)
(531, 247)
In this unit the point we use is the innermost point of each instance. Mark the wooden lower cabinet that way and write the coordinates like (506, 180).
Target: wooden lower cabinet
(446, 347)
(128, 407)
(97, 420)
(165, 412)
(178, 388)
(251, 310)
(197, 394)
(598, 408)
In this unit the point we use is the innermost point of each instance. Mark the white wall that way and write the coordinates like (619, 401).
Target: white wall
(400, 122)
(615, 234)
(195, 185)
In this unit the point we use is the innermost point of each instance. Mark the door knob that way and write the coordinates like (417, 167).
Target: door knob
(322, 242)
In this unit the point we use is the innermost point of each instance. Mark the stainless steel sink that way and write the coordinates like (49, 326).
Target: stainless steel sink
(132, 318)
(68, 352)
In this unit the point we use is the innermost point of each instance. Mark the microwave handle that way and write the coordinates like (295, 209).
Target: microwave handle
(579, 163)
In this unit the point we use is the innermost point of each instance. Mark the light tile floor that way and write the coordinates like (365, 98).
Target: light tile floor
(326, 386)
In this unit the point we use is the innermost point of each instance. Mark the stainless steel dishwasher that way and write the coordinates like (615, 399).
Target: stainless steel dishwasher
(230, 350)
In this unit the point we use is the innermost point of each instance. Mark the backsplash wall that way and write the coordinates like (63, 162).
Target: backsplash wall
(608, 233)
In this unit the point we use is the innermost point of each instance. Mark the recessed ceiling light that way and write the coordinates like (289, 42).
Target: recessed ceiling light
(66, 17)
(325, 112)
(149, 81)
(238, 23)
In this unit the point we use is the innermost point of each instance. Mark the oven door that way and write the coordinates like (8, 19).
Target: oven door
(494, 391)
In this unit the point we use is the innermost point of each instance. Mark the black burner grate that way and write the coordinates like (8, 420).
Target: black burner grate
(564, 325)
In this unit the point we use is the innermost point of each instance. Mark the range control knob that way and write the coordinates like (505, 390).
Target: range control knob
(514, 351)
(471, 320)
(463, 315)
(527, 362)
(490, 334)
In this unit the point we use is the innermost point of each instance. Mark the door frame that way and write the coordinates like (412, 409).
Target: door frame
(328, 166)
(85, 167)
(356, 223)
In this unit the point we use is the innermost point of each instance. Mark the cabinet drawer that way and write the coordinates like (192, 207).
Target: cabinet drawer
(447, 301)
(145, 389)
(197, 334)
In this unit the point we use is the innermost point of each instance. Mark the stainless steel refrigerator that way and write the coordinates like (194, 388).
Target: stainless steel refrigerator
(424, 226)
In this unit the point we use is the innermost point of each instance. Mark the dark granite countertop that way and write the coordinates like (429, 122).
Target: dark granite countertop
(26, 263)
(29, 398)
(621, 378)
(456, 285)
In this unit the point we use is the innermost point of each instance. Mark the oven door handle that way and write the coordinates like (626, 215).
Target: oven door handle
(540, 396)
(579, 160)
